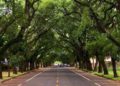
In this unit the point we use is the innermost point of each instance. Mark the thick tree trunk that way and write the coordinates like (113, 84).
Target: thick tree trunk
(42, 64)
(37, 65)
(114, 67)
(104, 66)
(100, 68)
(8, 71)
(1, 71)
(88, 64)
(21, 67)
(32, 66)
(79, 63)
(15, 70)
(98, 61)
(26, 67)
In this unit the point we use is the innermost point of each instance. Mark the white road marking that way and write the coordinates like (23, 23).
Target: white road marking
(19, 84)
(97, 84)
(36, 75)
(86, 78)
(32, 77)
(82, 76)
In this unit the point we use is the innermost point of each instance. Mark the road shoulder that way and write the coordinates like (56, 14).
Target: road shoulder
(100, 81)
(16, 81)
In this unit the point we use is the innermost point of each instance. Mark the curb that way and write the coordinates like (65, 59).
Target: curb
(107, 78)
(2, 81)
(91, 73)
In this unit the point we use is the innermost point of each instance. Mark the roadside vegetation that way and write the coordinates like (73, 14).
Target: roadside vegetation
(110, 75)
(12, 75)
(36, 33)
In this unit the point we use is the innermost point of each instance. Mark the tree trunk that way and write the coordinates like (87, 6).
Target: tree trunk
(87, 60)
(32, 66)
(15, 70)
(80, 65)
(100, 68)
(104, 67)
(42, 64)
(98, 61)
(1, 71)
(88, 65)
(114, 67)
(21, 68)
(95, 67)
(37, 65)
(8, 70)
(27, 66)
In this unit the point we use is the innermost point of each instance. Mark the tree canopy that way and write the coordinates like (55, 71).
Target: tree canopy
(41, 31)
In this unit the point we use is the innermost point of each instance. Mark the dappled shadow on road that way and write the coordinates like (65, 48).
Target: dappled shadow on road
(67, 77)
(102, 81)
(17, 80)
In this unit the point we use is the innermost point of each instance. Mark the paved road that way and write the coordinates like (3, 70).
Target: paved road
(57, 77)
(69, 78)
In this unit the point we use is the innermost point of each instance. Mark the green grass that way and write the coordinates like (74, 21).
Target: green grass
(5, 75)
(110, 75)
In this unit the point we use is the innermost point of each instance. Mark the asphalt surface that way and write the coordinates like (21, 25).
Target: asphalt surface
(58, 77)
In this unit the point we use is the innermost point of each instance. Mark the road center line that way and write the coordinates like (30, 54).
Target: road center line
(57, 79)
(57, 82)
